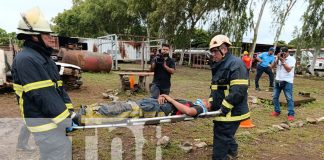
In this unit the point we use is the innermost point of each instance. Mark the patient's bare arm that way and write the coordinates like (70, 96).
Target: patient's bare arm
(181, 107)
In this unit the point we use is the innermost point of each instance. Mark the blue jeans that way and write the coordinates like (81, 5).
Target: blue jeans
(260, 71)
(152, 105)
(288, 91)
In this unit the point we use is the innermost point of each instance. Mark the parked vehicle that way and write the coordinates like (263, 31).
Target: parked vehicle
(70, 75)
(307, 59)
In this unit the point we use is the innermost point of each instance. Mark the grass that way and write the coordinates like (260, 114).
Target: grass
(188, 83)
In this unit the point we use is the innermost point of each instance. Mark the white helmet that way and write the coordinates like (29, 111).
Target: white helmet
(219, 40)
(33, 22)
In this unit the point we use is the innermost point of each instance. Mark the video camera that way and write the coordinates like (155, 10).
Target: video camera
(159, 59)
(282, 54)
(283, 50)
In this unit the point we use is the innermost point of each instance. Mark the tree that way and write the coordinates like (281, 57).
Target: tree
(256, 27)
(281, 43)
(175, 20)
(135, 8)
(200, 39)
(313, 27)
(233, 20)
(281, 11)
(5, 37)
(93, 18)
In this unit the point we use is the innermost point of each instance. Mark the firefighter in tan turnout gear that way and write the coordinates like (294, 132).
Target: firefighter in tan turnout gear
(44, 104)
(229, 95)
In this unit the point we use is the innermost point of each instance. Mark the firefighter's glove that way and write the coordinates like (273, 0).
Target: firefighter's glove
(70, 129)
(76, 117)
(223, 111)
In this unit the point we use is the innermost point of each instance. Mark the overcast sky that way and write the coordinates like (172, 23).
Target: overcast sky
(10, 14)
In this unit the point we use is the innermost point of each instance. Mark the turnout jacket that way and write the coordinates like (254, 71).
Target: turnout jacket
(43, 102)
(229, 89)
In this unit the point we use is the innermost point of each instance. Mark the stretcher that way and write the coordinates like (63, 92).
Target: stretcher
(151, 121)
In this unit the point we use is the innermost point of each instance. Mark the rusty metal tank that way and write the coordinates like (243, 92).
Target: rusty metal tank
(88, 61)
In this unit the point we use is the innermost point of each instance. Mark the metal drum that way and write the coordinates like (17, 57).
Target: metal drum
(88, 61)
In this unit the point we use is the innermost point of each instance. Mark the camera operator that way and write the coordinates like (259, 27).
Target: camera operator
(284, 81)
(163, 66)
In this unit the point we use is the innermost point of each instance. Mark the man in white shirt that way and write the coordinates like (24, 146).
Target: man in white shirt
(285, 65)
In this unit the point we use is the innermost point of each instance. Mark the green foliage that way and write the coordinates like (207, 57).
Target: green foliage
(232, 20)
(174, 20)
(266, 103)
(93, 18)
(200, 38)
(5, 37)
(313, 27)
(281, 43)
(294, 42)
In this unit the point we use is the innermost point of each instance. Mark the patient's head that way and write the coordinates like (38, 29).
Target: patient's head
(207, 104)
(204, 103)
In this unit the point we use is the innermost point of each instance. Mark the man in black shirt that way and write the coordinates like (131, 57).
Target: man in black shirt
(163, 66)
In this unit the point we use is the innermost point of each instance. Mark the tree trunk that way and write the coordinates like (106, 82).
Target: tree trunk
(148, 47)
(282, 21)
(190, 54)
(256, 28)
(181, 57)
(316, 53)
(277, 36)
(142, 55)
(189, 62)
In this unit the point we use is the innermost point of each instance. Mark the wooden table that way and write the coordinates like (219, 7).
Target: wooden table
(143, 79)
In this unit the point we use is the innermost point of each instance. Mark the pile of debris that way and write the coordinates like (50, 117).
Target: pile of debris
(185, 146)
(111, 94)
(289, 125)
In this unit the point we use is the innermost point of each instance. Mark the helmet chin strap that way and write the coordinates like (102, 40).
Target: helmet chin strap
(220, 51)
(41, 41)
(223, 55)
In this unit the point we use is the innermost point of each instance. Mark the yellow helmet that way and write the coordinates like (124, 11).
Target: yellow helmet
(245, 52)
(33, 22)
(219, 40)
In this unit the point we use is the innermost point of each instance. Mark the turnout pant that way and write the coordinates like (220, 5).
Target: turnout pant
(224, 141)
(54, 144)
(23, 137)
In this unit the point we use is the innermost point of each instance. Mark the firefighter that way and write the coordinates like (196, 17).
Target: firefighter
(228, 95)
(45, 106)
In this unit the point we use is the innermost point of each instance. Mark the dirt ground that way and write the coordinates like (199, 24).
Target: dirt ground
(297, 143)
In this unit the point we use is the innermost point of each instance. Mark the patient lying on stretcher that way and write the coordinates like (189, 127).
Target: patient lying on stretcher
(144, 108)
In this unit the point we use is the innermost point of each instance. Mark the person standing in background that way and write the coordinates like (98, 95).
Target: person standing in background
(265, 59)
(163, 67)
(248, 62)
(285, 70)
